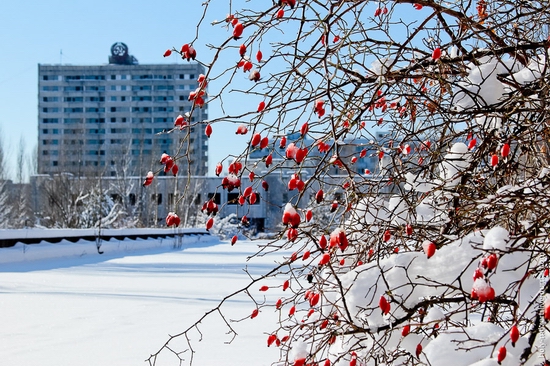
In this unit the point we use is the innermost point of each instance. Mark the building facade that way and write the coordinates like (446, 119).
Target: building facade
(118, 118)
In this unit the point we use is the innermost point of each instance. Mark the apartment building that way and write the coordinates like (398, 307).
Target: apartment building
(117, 118)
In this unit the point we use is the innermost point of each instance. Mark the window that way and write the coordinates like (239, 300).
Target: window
(164, 98)
(113, 77)
(123, 87)
(54, 163)
(142, 77)
(50, 120)
(161, 120)
(71, 120)
(95, 142)
(216, 196)
(123, 99)
(45, 131)
(73, 110)
(232, 198)
(50, 77)
(50, 88)
(141, 109)
(95, 88)
(95, 120)
(141, 98)
(50, 110)
(163, 109)
(113, 87)
(123, 119)
(113, 99)
(94, 110)
(157, 197)
(94, 77)
(73, 99)
(73, 88)
(113, 119)
(95, 99)
(50, 99)
(116, 197)
(141, 87)
(164, 87)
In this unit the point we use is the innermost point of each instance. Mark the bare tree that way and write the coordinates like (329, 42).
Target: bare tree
(444, 249)
(4, 193)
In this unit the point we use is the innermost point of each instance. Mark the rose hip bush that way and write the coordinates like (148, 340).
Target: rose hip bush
(440, 255)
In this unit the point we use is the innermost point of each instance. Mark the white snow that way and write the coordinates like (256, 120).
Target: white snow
(72, 306)
(496, 238)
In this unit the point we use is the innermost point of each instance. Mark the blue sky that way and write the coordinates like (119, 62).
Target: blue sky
(33, 32)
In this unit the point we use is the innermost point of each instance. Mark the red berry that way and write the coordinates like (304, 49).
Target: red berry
(429, 248)
(514, 335)
(406, 330)
(233, 239)
(325, 259)
(436, 54)
(264, 142)
(256, 139)
(505, 150)
(282, 143)
(494, 160)
(323, 242)
(208, 130)
(259, 56)
(418, 350)
(286, 284)
(254, 313)
(384, 305)
(291, 311)
(261, 106)
(492, 261)
(167, 53)
(319, 196)
(501, 354)
(238, 30)
(304, 129)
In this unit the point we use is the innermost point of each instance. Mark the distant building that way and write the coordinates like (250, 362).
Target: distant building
(109, 119)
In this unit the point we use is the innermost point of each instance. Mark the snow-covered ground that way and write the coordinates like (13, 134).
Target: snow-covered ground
(64, 304)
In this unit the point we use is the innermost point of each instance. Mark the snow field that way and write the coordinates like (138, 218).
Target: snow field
(70, 305)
